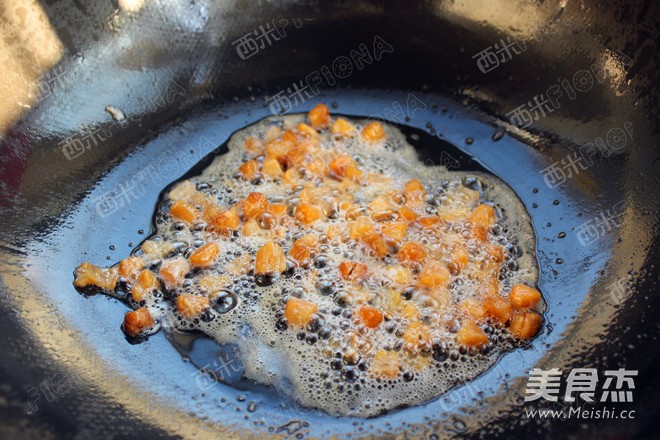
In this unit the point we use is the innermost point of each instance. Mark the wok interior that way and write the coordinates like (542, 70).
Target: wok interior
(120, 58)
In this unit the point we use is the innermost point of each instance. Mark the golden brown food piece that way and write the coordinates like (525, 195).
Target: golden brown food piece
(369, 316)
(524, 297)
(298, 312)
(145, 284)
(205, 255)
(89, 275)
(498, 308)
(525, 325)
(385, 364)
(137, 321)
(191, 305)
(319, 116)
(255, 205)
(173, 271)
(373, 132)
(270, 259)
(130, 267)
(183, 211)
(471, 335)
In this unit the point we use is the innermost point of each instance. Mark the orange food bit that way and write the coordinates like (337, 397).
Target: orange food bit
(525, 325)
(471, 335)
(183, 211)
(434, 274)
(303, 248)
(298, 312)
(496, 253)
(307, 214)
(376, 244)
(146, 283)
(369, 316)
(373, 132)
(498, 308)
(417, 334)
(385, 364)
(255, 205)
(319, 116)
(137, 321)
(307, 130)
(343, 166)
(361, 227)
(524, 297)
(482, 218)
(415, 193)
(254, 146)
(429, 222)
(270, 259)
(412, 252)
(474, 308)
(205, 255)
(249, 169)
(226, 221)
(316, 167)
(394, 230)
(173, 271)
(272, 167)
(343, 128)
(277, 209)
(279, 148)
(89, 275)
(130, 267)
(407, 214)
(459, 259)
(191, 305)
(350, 270)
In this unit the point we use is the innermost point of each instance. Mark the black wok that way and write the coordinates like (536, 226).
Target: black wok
(76, 184)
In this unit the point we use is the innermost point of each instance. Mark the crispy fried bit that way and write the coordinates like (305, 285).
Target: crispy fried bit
(417, 334)
(89, 275)
(344, 166)
(525, 325)
(369, 316)
(412, 252)
(130, 267)
(319, 116)
(308, 214)
(254, 145)
(459, 259)
(137, 321)
(373, 132)
(303, 249)
(385, 365)
(342, 127)
(205, 255)
(249, 169)
(183, 211)
(434, 274)
(395, 230)
(173, 271)
(376, 244)
(350, 270)
(270, 259)
(298, 312)
(524, 297)
(191, 305)
(407, 214)
(498, 308)
(471, 335)
(272, 167)
(482, 218)
(145, 284)
(415, 193)
(474, 308)
(255, 205)
(227, 221)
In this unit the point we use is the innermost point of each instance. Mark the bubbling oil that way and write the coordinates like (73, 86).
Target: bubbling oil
(334, 362)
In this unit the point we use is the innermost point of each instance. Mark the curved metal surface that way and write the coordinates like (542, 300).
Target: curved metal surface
(174, 71)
